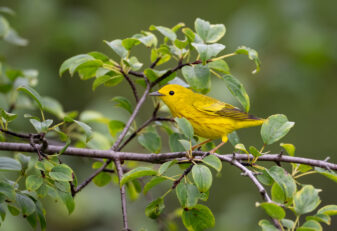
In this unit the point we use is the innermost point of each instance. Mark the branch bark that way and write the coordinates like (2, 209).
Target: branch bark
(162, 157)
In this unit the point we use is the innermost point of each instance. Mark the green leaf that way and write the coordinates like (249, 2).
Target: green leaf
(241, 147)
(310, 225)
(87, 129)
(41, 215)
(320, 217)
(128, 43)
(306, 200)
(290, 148)
(330, 210)
(233, 138)
(137, 173)
(277, 193)
(186, 144)
(13, 210)
(72, 63)
(8, 117)
(273, 210)
(219, 65)
(213, 161)
(237, 90)
(102, 179)
(33, 94)
(26, 204)
(4, 26)
(252, 55)
(198, 77)
(188, 195)
(275, 128)
(147, 38)
(24, 161)
(107, 80)
(329, 174)
(208, 51)
(41, 126)
(9, 164)
(32, 219)
(115, 126)
(174, 142)
(7, 190)
(88, 69)
(284, 180)
(61, 172)
(254, 151)
(199, 218)
(93, 116)
(167, 32)
(208, 32)
(63, 186)
(155, 208)
(202, 177)
(304, 168)
(267, 226)
(117, 47)
(163, 168)
(133, 63)
(185, 126)
(289, 224)
(153, 182)
(53, 106)
(151, 141)
(33, 182)
(123, 103)
(6, 10)
(44, 165)
(12, 37)
(68, 200)
(265, 178)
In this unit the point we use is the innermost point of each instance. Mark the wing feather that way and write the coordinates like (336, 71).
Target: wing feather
(223, 109)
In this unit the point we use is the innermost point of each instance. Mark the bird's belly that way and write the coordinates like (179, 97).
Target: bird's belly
(212, 128)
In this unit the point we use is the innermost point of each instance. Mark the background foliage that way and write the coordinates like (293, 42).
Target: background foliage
(296, 41)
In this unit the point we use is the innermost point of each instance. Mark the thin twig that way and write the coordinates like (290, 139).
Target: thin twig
(185, 173)
(154, 64)
(132, 85)
(260, 187)
(123, 196)
(132, 117)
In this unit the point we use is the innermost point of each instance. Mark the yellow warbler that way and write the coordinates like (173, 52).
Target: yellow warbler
(209, 117)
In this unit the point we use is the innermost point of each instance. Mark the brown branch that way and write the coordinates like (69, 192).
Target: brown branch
(185, 173)
(154, 64)
(260, 187)
(132, 117)
(123, 196)
(161, 157)
(132, 85)
(137, 74)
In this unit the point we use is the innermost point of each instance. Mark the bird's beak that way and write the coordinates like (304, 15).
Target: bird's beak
(156, 93)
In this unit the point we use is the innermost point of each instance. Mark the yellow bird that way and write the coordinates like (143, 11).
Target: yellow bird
(209, 117)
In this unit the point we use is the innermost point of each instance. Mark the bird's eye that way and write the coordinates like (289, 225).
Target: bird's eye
(171, 92)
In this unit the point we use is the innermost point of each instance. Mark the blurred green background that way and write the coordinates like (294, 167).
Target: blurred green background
(296, 41)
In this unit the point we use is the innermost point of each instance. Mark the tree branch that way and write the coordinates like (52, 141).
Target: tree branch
(132, 85)
(161, 157)
(123, 196)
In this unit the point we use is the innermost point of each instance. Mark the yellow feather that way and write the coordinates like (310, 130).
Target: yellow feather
(209, 117)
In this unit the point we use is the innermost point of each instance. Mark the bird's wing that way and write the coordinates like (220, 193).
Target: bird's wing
(223, 109)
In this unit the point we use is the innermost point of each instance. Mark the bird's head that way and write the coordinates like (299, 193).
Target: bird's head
(171, 93)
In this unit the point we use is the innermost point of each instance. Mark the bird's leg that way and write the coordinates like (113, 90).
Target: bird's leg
(224, 140)
(217, 147)
(199, 145)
